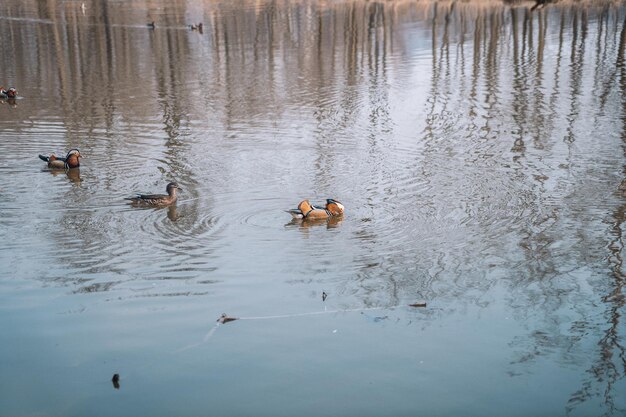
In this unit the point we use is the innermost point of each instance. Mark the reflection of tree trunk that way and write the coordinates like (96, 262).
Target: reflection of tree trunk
(540, 128)
(602, 82)
(60, 47)
(434, 76)
(577, 58)
(445, 40)
(519, 85)
(491, 67)
(557, 69)
(352, 41)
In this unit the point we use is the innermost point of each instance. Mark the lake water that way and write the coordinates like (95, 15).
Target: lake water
(479, 149)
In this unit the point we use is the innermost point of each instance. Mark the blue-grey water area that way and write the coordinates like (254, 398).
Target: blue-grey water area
(479, 149)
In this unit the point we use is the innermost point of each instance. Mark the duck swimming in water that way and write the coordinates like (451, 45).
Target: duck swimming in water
(157, 199)
(306, 210)
(10, 93)
(71, 160)
(225, 319)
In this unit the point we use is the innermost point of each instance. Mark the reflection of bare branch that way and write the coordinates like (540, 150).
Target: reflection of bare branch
(610, 366)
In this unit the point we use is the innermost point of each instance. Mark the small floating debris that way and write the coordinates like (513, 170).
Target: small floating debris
(151, 25)
(116, 381)
(417, 305)
(225, 319)
(324, 296)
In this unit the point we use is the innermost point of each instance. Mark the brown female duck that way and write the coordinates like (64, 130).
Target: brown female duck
(306, 210)
(71, 160)
(157, 199)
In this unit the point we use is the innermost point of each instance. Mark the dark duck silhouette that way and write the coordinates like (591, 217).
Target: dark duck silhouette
(71, 160)
(157, 199)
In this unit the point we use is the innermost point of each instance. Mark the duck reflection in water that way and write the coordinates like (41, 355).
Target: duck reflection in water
(172, 213)
(171, 210)
(10, 101)
(72, 174)
(330, 223)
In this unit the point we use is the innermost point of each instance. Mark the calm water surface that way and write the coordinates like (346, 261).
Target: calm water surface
(479, 150)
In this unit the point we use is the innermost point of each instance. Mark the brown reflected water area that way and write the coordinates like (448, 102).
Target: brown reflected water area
(480, 152)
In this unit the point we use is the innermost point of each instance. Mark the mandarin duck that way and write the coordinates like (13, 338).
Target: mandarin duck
(305, 210)
(10, 93)
(157, 199)
(71, 160)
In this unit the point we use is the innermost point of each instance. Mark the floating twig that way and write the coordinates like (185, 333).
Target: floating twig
(116, 381)
(417, 305)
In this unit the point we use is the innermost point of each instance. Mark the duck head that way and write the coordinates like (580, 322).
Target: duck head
(172, 187)
(11, 92)
(334, 207)
(72, 160)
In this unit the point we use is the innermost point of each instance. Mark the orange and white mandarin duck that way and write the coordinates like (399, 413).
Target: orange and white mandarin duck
(305, 210)
(157, 199)
(71, 160)
(10, 93)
